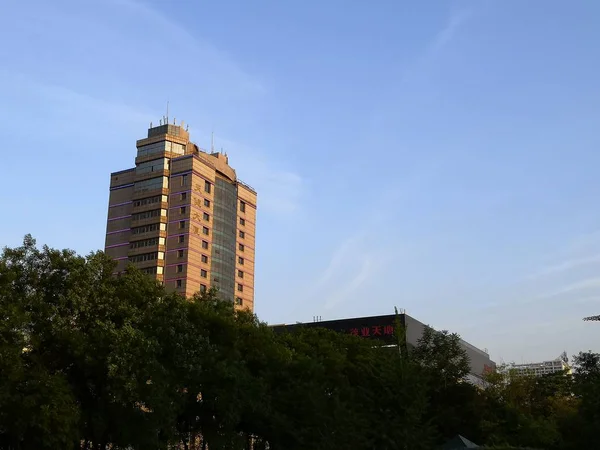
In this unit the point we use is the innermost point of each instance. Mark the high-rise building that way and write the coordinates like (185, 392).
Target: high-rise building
(182, 216)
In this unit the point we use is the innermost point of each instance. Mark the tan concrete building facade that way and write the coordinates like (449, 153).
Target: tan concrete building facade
(182, 216)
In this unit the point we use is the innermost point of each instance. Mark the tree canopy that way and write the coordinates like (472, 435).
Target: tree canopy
(95, 361)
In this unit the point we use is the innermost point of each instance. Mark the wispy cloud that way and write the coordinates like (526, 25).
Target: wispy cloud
(359, 258)
(82, 111)
(590, 299)
(534, 327)
(588, 284)
(355, 282)
(189, 44)
(338, 257)
(566, 277)
(280, 190)
(117, 85)
(584, 241)
(354, 263)
(436, 45)
(567, 265)
(446, 34)
(117, 44)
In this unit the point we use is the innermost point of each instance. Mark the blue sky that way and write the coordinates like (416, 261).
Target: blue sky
(441, 157)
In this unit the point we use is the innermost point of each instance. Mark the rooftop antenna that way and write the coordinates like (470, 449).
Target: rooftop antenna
(167, 117)
(212, 142)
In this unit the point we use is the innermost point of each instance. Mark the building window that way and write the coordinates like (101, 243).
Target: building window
(207, 186)
(146, 214)
(240, 260)
(183, 196)
(181, 239)
(182, 224)
(238, 301)
(147, 201)
(182, 210)
(240, 288)
(202, 288)
(241, 247)
(145, 243)
(242, 221)
(151, 184)
(242, 206)
(145, 229)
(179, 283)
(155, 165)
(180, 253)
(179, 268)
(184, 180)
(204, 230)
(204, 258)
(203, 273)
(240, 274)
(204, 244)
(145, 257)
(206, 216)
(242, 234)
(207, 203)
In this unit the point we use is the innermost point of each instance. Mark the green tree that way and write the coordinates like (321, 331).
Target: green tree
(333, 390)
(452, 401)
(526, 410)
(37, 408)
(96, 361)
(586, 388)
(83, 332)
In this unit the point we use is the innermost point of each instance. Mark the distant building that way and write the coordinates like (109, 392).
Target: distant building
(182, 216)
(540, 368)
(381, 328)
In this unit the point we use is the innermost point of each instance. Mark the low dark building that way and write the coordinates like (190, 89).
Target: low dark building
(381, 328)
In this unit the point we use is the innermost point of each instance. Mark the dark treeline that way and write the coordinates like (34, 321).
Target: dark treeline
(93, 361)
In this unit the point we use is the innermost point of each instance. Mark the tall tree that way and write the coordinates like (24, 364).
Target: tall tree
(96, 361)
(452, 401)
(37, 408)
(587, 389)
